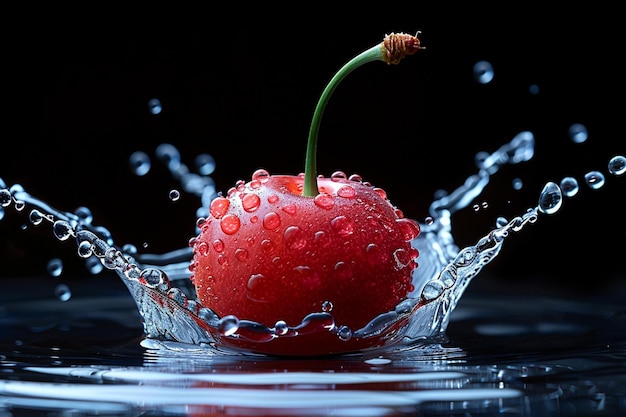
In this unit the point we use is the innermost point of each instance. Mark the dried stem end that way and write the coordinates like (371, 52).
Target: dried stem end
(398, 45)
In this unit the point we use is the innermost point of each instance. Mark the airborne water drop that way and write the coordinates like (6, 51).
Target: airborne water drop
(55, 267)
(139, 163)
(569, 186)
(617, 165)
(594, 179)
(550, 199)
(155, 106)
(578, 133)
(483, 72)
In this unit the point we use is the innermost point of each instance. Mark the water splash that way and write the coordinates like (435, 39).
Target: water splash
(173, 313)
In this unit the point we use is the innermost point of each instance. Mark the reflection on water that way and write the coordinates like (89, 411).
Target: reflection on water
(88, 356)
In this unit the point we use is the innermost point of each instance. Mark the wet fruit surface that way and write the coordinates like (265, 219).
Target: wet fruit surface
(270, 255)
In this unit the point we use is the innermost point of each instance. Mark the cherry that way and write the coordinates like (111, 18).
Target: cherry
(278, 249)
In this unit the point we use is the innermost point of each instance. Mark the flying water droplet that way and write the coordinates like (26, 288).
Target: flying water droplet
(55, 267)
(594, 179)
(5, 198)
(569, 186)
(205, 164)
(62, 229)
(84, 214)
(155, 106)
(550, 199)
(174, 195)
(63, 292)
(139, 163)
(483, 72)
(501, 221)
(36, 217)
(578, 133)
(94, 265)
(169, 155)
(617, 165)
(84, 249)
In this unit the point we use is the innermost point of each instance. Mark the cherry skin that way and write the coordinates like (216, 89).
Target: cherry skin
(268, 254)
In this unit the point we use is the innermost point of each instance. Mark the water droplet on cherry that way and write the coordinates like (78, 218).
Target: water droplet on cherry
(271, 221)
(218, 245)
(230, 224)
(382, 193)
(261, 175)
(290, 209)
(202, 248)
(242, 255)
(343, 270)
(409, 228)
(219, 207)
(294, 238)
(267, 245)
(342, 225)
(346, 191)
(324, 201)
(321, 238)
(250, 202)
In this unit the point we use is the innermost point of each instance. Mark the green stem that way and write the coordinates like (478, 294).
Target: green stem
(375, 53)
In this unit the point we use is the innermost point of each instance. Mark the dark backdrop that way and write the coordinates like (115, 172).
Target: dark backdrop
(76, 98)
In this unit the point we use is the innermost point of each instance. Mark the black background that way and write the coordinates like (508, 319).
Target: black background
(243, 86)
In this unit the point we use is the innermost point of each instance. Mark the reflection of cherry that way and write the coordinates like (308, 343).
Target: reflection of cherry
(279, 247)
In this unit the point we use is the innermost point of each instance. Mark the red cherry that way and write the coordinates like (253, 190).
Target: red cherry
(269, 254)
(305, 261)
